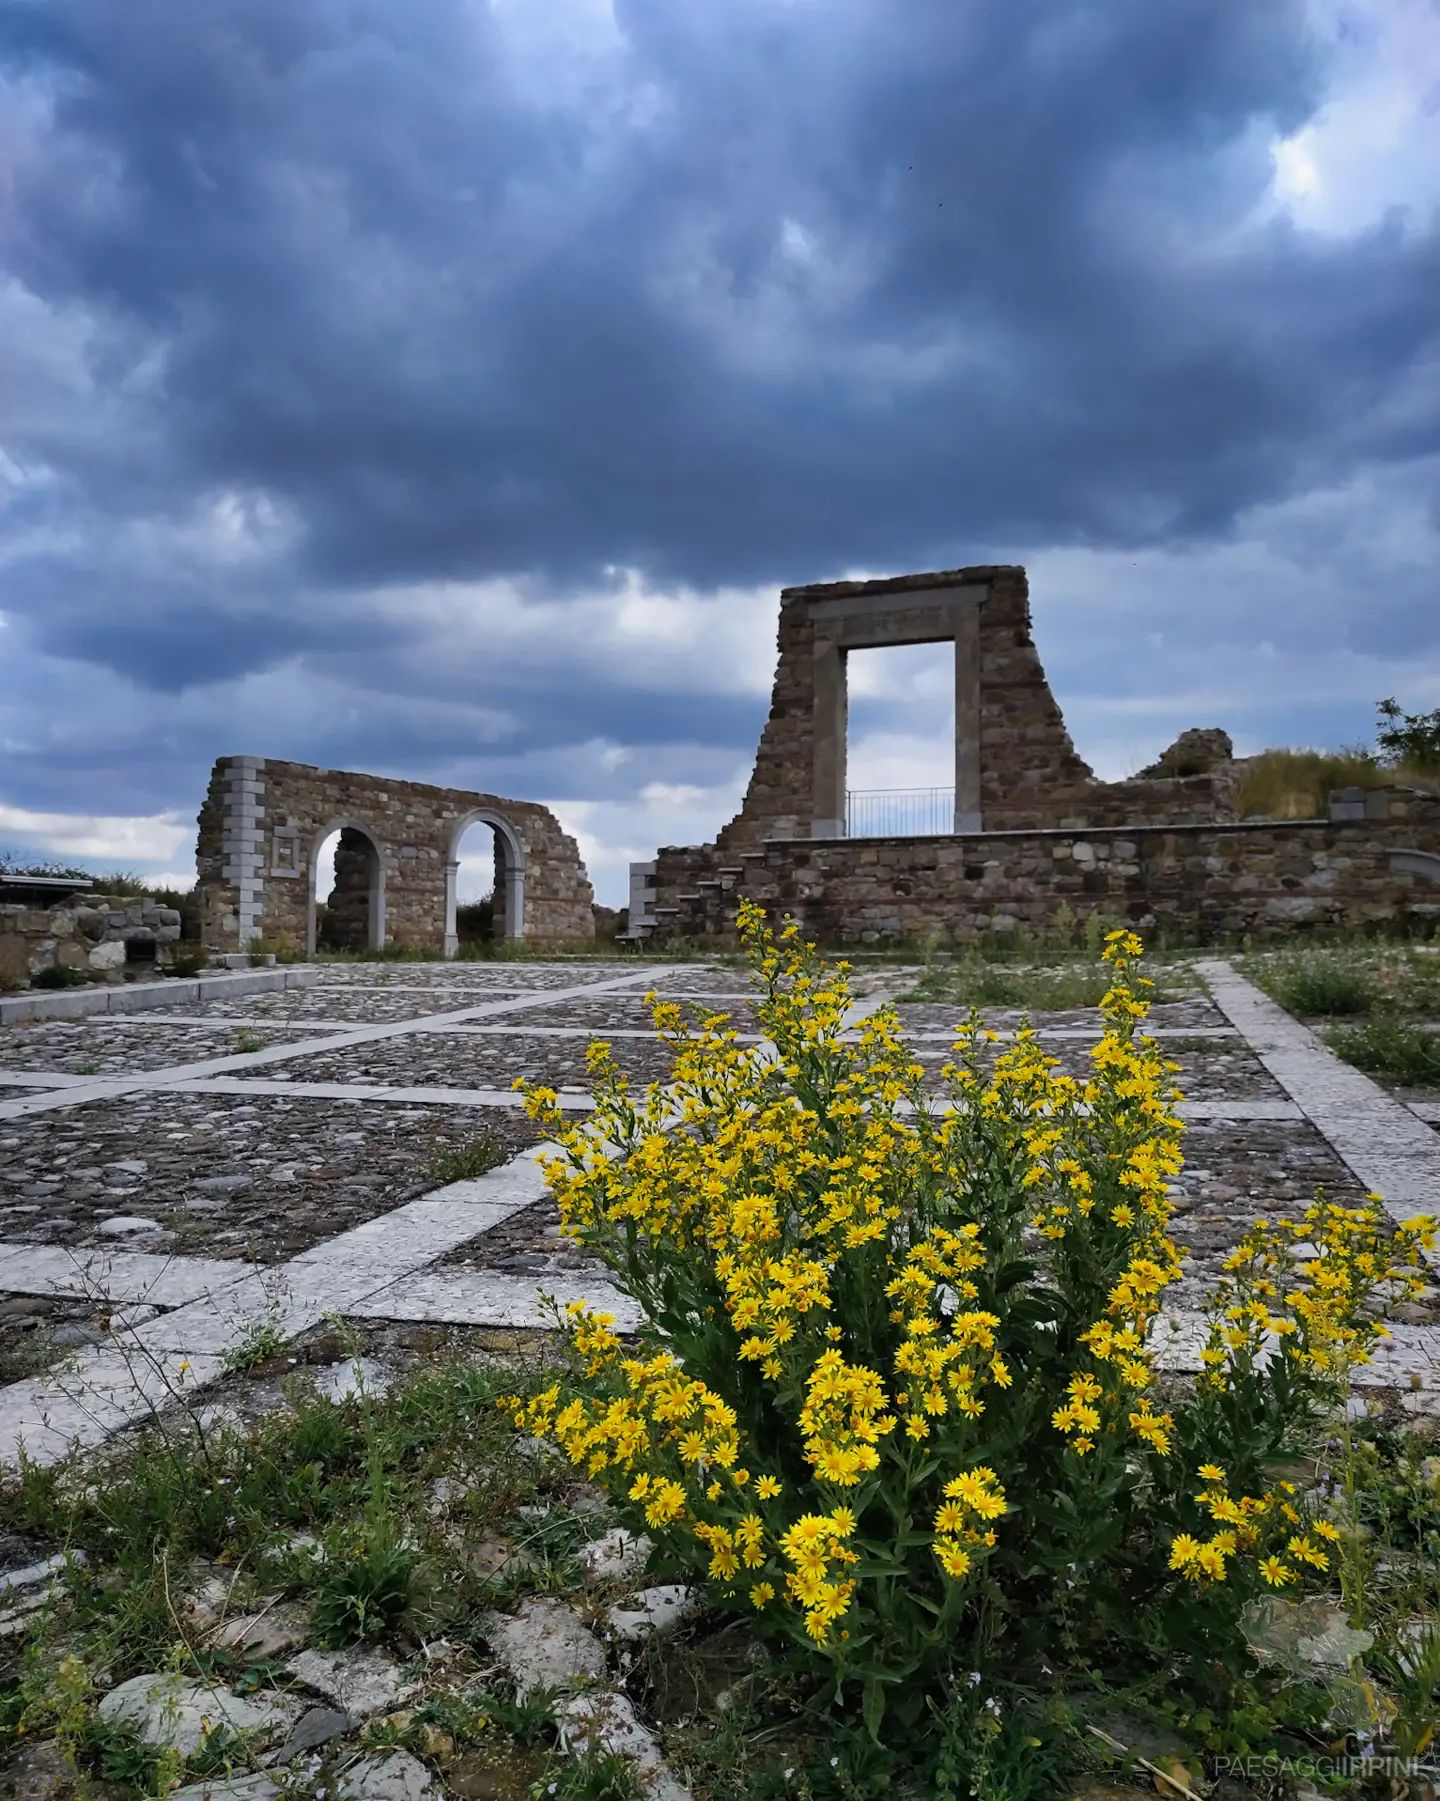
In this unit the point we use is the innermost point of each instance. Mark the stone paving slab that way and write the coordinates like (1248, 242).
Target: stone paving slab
(324, 1002)
(328, 1177)
(633, 1010)
(133, 997)
(279, 1087)
(1386, 1147)
(1196, 1015)
(475, 1298)
(1207, 1070)
(460, 974)
(184, 1351)
(117, 1276)
(248, 1062)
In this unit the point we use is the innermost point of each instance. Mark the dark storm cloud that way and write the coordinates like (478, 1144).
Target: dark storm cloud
(314, 300)
(463, 328)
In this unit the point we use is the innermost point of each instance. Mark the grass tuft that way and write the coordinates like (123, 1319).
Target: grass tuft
(1295, 784)
(1327, 984)
(1393, 1049)
(462, 1163)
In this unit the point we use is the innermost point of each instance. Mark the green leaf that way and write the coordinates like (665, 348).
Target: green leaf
(874, 1707)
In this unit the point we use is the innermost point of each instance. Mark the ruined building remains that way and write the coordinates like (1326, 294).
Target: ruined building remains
(1028, 828)
(263, 823)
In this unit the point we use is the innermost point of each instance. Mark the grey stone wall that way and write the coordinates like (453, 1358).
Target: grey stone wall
(263, 822)
(86, 933)
(1372, 864)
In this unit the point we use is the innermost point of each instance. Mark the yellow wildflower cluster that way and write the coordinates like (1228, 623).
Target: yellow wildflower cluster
(856, 1289)
(971, 1497)
(1244, 1525)
(1308, 1290)
(816, 1551)
(844, 1418)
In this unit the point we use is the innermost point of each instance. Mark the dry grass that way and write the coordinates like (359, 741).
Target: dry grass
(1294, 784)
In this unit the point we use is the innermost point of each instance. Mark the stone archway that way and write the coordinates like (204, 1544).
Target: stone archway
(509, 900)
(359, 886)
(264, 820)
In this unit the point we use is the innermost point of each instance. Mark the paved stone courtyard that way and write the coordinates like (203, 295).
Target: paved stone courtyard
(172, 1179)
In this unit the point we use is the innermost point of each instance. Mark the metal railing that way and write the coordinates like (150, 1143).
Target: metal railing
(899, 812)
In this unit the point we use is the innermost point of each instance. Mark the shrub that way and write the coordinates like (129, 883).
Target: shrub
(57, 976)
(475, 920)
(894, 1399)
(463, 1162)
(1408, 741)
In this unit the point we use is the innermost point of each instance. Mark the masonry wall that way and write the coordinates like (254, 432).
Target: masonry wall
(85, 933)
(263, 822)
(1218, 880)
(1016, 766)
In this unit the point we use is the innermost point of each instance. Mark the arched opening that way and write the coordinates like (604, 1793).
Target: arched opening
(347, 894)
(485, 883)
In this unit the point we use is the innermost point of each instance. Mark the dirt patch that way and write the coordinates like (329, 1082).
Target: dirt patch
(38, 1331)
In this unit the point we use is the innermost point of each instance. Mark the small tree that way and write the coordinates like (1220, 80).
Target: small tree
(1408, 740)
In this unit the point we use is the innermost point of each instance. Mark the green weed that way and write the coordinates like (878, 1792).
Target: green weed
(364, 1580)
(262, 1342)
(57, 976)
(462, 1163)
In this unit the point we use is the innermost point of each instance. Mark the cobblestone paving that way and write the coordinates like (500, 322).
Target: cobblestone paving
(110, 1047)
(131, 1168)
(1208, 1069)
(634, 1012)
(221, 1176)
(360, 1006)
(1198, 1015)
(451, 1061)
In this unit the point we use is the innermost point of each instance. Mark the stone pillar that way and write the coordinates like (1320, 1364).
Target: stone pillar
(511, 881)
(827, 810)
(452, 897)
(965, 622)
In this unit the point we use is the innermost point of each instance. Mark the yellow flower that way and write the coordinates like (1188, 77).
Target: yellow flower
(1276, 1573)
(762, 1594)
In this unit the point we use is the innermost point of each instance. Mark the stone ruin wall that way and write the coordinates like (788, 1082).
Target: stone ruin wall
(89, 934)
(1265, 879)
(1035, 829)
(1016, 766)
(263, 822)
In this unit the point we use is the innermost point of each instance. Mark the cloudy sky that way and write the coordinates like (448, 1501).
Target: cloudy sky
(445, 390)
